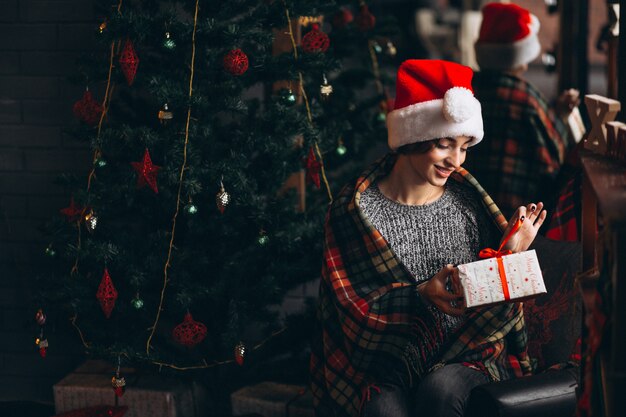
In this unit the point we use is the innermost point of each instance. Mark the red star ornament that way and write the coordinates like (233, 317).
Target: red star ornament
(313, 167)
(72, 212)
(107, 294)
(146, 172)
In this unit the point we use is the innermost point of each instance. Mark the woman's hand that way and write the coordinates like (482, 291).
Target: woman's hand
(532, 217)
(434, 291)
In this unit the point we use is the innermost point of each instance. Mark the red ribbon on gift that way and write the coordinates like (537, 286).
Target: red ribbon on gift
(498, 254)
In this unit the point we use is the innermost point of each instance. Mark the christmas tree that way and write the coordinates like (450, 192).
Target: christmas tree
(220, 132)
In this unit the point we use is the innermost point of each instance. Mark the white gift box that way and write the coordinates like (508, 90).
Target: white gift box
(483, 285)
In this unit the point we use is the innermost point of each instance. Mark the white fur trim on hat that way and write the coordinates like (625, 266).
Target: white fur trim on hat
(504, 56)
(437, 119)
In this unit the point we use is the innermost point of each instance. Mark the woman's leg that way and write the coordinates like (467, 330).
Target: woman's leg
(390, 402)
(444, 392)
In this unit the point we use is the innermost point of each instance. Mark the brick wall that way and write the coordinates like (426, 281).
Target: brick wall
(39, 42)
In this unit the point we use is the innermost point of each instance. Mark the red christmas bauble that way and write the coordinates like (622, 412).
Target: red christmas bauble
(87, 109)
(342, 18)
(107, 294)
(365, 20)
(129, 61)
(236, 62)
(189, 332)
(315, 40)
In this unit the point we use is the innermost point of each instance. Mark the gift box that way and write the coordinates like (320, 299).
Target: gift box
(272, 399)
(500, 279)
(145, 394)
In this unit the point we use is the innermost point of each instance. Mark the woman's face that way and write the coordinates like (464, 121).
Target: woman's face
(435, 166)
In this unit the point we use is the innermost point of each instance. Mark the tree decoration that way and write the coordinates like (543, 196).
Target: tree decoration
(146, 172)
(165, 115)
(42, 344)
(87, 109)
(313, 167)
(91, 221)
(240, 353)
(129, 61)
(222, 198)
(72, 212)
(315, 40)
(168, 42)
(342, 18)
(325, 89)
(391, 49)
(118, 383)
(263, 238)
(102, 27)
(236, 62)
(101, 162)
(191, 208)
(43, 347)
(341, 148)
(287, 96)
(189, 332)
(50, 252)
(137, 302)
(40, 317)
(365, 20)
(377, 48)
(107, 294)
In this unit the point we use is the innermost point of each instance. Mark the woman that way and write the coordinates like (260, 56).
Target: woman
(394, 338)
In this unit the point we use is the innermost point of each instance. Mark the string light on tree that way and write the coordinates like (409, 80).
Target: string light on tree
(377, 48)
(391, 49)
(100, 162)
(287, 97)
(50, 252)
(191, 208)
(263, 238)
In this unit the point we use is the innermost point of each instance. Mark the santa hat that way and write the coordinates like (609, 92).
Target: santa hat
(508, 37)
(434, 99)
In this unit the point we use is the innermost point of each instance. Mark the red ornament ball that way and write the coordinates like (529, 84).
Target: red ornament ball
(365, 20)
(236, 62)
(189, 332)
(342, 18)
(315, 41)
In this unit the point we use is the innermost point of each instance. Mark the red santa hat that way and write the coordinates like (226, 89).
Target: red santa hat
(434, 99)
(508, 37)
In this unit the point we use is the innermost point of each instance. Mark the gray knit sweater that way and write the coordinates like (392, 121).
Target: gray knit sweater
(450, 230)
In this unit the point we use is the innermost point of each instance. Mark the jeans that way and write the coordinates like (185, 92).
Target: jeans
(442, 393)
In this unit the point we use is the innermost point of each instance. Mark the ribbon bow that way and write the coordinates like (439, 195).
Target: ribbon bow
(498, 254)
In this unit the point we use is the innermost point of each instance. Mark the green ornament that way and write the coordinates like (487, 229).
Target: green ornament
(377, 48)
(50, 251)
(287, 96)
(381, 117)
(137, 303)
(191, 208)
(101, 163)
(168, 42)
(263, 239)
(341, 149)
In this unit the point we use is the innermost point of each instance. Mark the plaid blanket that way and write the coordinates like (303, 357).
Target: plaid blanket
(524, 146)
(370, 318)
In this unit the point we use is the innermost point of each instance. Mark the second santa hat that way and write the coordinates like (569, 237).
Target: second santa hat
(508, 37)
(434, 99)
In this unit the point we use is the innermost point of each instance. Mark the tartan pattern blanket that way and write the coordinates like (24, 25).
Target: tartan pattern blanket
(525, 144)
(370, 317)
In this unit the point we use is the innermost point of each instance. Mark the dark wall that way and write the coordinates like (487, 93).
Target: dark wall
(39, 43)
